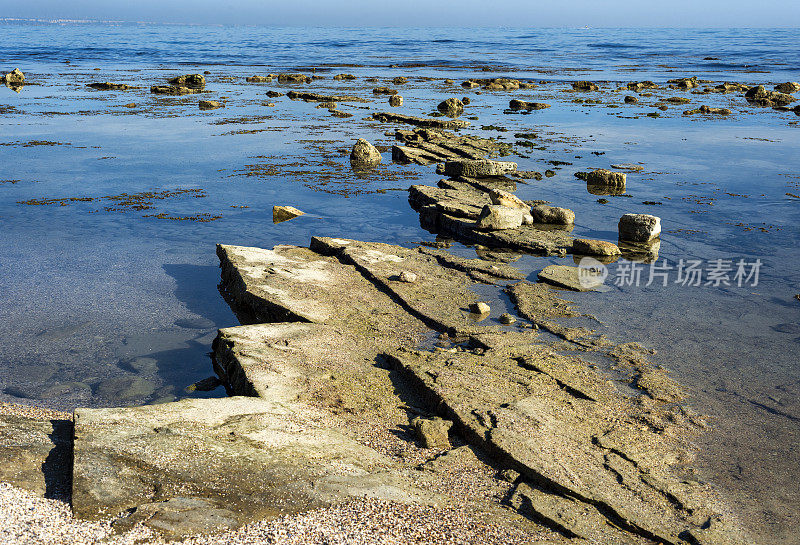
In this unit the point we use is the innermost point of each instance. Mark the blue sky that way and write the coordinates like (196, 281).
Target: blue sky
(535, 13)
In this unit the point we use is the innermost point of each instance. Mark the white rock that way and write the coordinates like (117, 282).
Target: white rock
(495, 217)
(505, 198)
(480, 308)
(407, 276)
(639, 227)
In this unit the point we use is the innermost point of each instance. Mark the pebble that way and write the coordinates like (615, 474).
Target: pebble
(480, 308)
(407, 276)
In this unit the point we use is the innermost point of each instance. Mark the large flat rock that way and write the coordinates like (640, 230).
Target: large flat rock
(234, 460)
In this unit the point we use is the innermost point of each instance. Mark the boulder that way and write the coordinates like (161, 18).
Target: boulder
(108, 86)
(585, 246)
(259, 79)
(384, 91)
(400, 80)
(395, 100)
(522, 105)
(294, 78)
(210, 105)
(14, 77)
(631, 99)
(552, 214)
(639, 227)
(452, 107)
(344, 77)
(478, 168)
(790, 87)
(504, 198)
(432, 432)
(189, 80)
(284, 213)
(585, 86)
(495, 217)
(364, 154)
(604, 177)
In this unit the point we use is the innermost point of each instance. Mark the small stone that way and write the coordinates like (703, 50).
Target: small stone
(495, 217)
(507, 319)
(15, 76)
(449, 82)
(480, 308)
(543, 213)
(631, 99)
(344, 77)
(509, 475)
(522, 105)
(408, 277)
(465, 100)
(273, 94)
(452, 107)
(504, 198)
(205, 385)
(639, 227)
(395, 100)
(259, 79)
(584, 246)
(284, 213)
(209, 105)
(364, 154)
(400, 80)
(432, 432)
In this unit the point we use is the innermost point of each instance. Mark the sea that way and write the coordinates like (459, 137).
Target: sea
(111, 204)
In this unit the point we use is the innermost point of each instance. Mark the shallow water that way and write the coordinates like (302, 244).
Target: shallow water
(106, 303)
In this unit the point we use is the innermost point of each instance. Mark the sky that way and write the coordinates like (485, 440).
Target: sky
(516, 13)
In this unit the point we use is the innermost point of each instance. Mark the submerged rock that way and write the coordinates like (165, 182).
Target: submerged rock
(285, 213)
(294, 78)
(365, 155)
(387, 117)
(174, 90)
(639, 227)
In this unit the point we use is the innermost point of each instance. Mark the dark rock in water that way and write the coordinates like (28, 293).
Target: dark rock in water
(432, 432)
(788, 88)
(259, 79)
(478, 168)
(338, 113)
(108, 86)
(685, 83)
(522, 105)
(465, 100)
(125, 389)
(631, 100)
(316, 97)
(210, 105)
(294, 78)
(365, 155)
(273, 94)
(639, 227)
(384, 91)
(585, 86)
(285, 213)
(452, 107)
(603, 177)
(708, 111)
(174, 90)
(189, 80)
(344, 77)
(395, 100)
(400, 80)
(639, 85)
(760, 96)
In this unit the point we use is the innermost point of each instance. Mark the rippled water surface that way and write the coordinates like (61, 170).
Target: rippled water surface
(111, 203)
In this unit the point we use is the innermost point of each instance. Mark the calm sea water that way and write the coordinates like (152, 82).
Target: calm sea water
(605, 53)
(104, 303)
